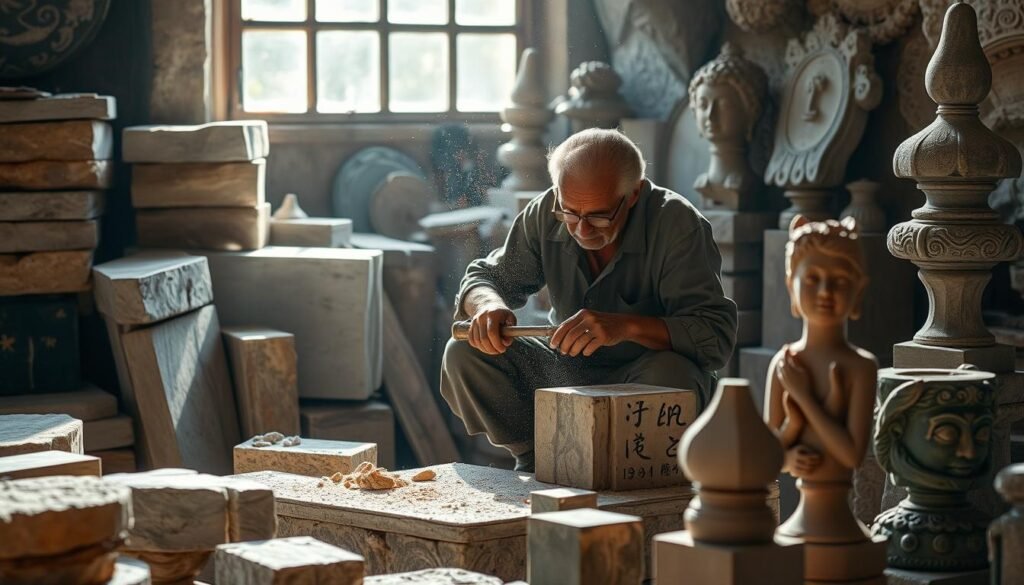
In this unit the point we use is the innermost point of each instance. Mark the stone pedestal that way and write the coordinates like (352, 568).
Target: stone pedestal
(677, 559)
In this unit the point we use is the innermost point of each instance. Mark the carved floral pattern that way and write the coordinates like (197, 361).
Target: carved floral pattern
(925, 540)
(37, 35)
(936, 243)
(884, 20)
(759, 15)
(996, 19)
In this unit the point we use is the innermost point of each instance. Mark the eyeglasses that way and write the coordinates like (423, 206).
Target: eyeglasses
(598, 221)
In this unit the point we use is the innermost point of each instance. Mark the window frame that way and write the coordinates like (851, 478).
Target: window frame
(232, 76)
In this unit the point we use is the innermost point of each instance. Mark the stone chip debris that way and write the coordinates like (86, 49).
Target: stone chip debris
(369, 477)
(273, 438)
(425, 475)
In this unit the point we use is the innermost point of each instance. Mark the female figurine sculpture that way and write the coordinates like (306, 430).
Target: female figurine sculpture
(821, 389)
(726, 96)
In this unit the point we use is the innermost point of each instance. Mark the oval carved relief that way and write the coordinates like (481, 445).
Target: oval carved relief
(38, 35)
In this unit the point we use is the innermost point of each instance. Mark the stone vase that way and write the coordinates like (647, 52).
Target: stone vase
(864, 207)
(932, 437)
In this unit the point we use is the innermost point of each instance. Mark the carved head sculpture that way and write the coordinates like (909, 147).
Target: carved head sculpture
(726, 96)
(934, 427)
(825, 272)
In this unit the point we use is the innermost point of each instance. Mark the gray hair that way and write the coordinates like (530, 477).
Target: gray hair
(597, 148)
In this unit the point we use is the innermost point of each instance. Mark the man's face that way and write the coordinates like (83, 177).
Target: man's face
(597, 193)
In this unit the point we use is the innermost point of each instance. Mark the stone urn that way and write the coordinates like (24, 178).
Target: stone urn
(864, 207)
(731, 455)
(933, 436)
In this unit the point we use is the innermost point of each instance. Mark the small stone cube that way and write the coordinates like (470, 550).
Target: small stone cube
(287, 561)
(585, 547)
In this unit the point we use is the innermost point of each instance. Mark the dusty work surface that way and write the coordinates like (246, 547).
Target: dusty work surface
(465, 503)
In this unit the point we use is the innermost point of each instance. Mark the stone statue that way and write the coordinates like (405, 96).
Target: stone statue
(593, 100)
(527, 115)
(726, 97)
(1006, 535)
(933, 437)
(821, 393)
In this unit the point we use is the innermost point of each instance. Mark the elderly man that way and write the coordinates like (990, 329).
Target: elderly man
(633, 276)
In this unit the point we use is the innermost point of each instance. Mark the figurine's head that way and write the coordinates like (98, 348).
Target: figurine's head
(726, 95)
(934, 430)
(825, 270)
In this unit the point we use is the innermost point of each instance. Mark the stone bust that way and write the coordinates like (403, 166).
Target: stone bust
(726, 96)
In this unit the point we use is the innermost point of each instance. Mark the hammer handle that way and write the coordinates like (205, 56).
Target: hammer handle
(460, 330)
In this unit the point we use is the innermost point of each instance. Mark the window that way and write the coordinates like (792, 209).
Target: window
(365, 60)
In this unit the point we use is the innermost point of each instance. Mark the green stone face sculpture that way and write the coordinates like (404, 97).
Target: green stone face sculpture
(932, 435)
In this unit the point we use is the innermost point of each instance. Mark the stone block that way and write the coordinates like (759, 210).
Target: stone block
(48, 175)
(337, 328)
(129, 571)
(743, 288)
(233, 141)
(45, 236)
(995, 358)
(678, 559)
(39, 344)
(754, 363)
(740, 227)
(108, 433)
(89, 403)
(288, 561)
(619, 436)
(50, 205)
(585, 547)
(44, 463)
(740, 257)
(205, 228)
(312, 457)
(436, 577)
(152, 286)
(70, 140)
(68, 106)
(748, 330)
(48, 516)
(902, 577)
(319, 232)
(40, 273)
(232, 184)
(263, 369)
(353, 422)
(117, 460)
(560, 499)
(30, 433)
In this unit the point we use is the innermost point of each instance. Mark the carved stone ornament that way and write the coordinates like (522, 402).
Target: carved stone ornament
(594, 100)
(884, 20)
(956, 238)
(527, 115)
(831, 86)
(760, 15)
(38, 35)
(933, 435)
(864, 207)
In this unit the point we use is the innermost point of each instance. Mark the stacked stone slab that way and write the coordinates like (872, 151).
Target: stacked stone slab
(200, 186)
(170, 359)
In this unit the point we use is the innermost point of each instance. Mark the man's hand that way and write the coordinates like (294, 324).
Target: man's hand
(485, 329)
(588, 330)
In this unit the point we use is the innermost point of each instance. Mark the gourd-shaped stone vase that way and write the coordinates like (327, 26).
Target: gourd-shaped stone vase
(731, 455)
(932, 435)
(864, 207)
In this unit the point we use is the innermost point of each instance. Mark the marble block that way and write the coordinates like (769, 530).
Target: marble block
(312, 457)
(585, 547)
(152, 286)
(618, 436)
(319, 232)
(560, 499)
(209, 228)
(51, 205)
(287, 561)
(64, 140)
(233, 141)
(231, 184)
(44, 463)
(678, 559)
(30, 433)
(48, 175)
(48, 236)
(65, 271)
(67, 106)
(264, 371)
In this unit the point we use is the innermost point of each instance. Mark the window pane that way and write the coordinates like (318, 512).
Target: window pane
(348, 10)
(348, 71)
(418, 11)
(277, 10)
(485, 12)
(418, 72)
(274, 71)
(486, 71)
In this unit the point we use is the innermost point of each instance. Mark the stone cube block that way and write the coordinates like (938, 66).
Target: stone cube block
(287, 561)
(30, 433)
(312, 457)
(678, 559)
(559, 499)
(585, 547)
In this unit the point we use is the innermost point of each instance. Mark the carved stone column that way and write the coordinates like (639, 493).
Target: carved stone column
(527, 115)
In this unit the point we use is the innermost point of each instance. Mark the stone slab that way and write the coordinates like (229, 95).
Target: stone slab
(69, 106)
(288, 561)
(560, 499)
(997, 358)
(263, 369)
(206, 228)
(30, 433)
(434, 577)
(360, 422)
(740, 227)
(117, 460)
(322, 232)
(585, 547)
(108, 433)
(51, 205)
(902, 577)
(740, 257)
(71, 140)
(44, 463)
(152, 286)
(214, 142)
(45, 236)
(743, 288)
(45, 272)
(129, 571)
(678, 559)
(619, 436)
(338, 330)
(48, 516)
(87, 404)
(45, 175)
(232, 184)
(312, 457)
